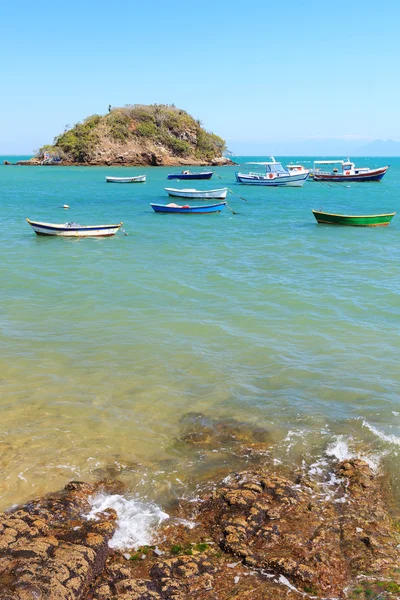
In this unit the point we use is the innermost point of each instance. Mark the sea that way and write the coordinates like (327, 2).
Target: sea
(255, 320)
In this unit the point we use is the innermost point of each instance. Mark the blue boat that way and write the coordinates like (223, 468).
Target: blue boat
(188, 210)
(189, 175)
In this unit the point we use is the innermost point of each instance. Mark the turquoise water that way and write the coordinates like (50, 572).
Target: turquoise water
(262, 316)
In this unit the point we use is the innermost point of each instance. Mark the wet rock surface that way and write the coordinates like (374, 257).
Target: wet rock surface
(49, 550)
(258, 534)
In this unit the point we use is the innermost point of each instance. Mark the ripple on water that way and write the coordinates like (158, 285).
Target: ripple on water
(264, 316)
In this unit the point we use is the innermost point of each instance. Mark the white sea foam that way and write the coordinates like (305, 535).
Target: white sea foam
(391, 439)
(291, 438)
(284, 581)
(340, 450)
(137, 521)
(186, 523)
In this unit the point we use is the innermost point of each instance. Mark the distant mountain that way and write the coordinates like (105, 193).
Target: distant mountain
(379, 148)
(318, 147)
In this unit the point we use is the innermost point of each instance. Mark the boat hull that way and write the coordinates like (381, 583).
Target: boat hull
(280, 181)
(137, 179)
(65, 230)
(372, 175)
(188, 210)
(205, 175)
(354, 220)
(219, 194)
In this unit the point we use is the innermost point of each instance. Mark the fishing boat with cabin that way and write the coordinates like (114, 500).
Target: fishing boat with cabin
(353, 220)
(275, 176)
(73, 229)
(345, 171)
(296, 169)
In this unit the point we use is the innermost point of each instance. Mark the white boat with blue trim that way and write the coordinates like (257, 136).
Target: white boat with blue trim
(73, 229)
(275, 176)
(135, 179)
(297, 168)
(218, 194)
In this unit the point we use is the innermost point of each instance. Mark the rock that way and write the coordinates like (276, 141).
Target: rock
(43, 555)
(258, 534)
(200, 431)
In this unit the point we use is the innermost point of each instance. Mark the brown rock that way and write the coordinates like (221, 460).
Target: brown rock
(41, 556)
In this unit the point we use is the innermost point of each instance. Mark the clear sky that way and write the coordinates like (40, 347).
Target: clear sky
(262, 75)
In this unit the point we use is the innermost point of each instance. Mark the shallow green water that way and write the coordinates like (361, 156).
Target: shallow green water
(263, 316)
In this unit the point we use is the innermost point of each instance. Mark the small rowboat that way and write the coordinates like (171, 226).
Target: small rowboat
(219, 194)
(73, 229)
(137, 179)
(354, 220)
(189, 175)
(186, 209)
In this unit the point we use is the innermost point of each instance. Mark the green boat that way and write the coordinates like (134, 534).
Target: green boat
(354, 220)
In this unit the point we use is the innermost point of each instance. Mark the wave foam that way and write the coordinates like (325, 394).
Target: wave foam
(340, 450)
(391, 439)
(136, 520)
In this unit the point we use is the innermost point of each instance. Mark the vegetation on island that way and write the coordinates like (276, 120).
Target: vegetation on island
(156, 125)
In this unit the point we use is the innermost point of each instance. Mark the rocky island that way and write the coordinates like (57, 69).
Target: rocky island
(134, 135)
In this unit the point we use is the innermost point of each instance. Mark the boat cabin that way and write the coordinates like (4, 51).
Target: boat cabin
(337, 167)
(272, 169)
(296, 169)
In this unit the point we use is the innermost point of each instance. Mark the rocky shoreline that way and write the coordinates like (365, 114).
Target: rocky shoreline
(256, 534)
(142, 160)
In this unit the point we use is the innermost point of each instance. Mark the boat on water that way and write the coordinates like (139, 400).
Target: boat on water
(189, 175)
(73, 229)
(353, 220)
(345, 170)
(136, 179)
(219, 194)
(275, 176)
(186, 209)
(296, 169)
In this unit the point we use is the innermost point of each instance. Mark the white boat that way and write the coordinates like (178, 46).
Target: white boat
(295, 169)
(219, 194)
(275, 176)
(136, 179)
(73, 229)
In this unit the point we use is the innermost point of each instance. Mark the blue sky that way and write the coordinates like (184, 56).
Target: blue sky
(295, 76)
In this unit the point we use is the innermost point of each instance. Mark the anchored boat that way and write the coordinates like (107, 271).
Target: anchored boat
(296, 169)
(189, 175)
(275, 176)
(73, 229)
(186, 209)
(345, 170)
(354, 220)
(136, 179)
(219, 194)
